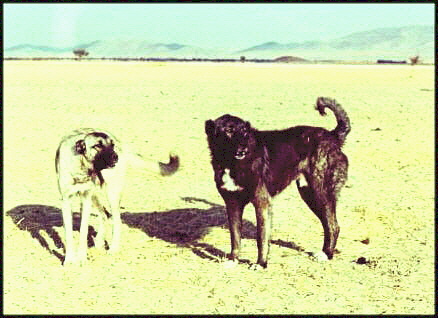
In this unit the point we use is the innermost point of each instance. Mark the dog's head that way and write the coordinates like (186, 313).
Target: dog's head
(98, 149)
(230, 134)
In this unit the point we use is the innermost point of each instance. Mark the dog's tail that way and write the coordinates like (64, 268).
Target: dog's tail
(164, 169)
(343, 127)
(167, 169)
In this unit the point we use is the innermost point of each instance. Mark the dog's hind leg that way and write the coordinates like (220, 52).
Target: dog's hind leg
(325, 210)
(327, 176)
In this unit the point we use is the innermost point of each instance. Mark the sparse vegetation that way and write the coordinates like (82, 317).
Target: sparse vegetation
(79, 53)
(390, 62)
(414, 60)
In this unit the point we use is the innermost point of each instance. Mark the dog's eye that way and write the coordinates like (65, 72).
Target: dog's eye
(98, 146)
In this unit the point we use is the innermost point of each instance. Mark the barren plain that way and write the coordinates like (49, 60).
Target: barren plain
(175, 235)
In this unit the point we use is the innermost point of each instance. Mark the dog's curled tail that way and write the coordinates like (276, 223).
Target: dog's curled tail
(343, 127)
(167, 169)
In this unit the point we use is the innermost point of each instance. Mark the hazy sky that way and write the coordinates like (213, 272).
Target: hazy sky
(208, 25)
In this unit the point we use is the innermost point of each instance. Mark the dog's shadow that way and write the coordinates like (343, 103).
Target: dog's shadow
(183, 227)
(186, 227)
(38, 219)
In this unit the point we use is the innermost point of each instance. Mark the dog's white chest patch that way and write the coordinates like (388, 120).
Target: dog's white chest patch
(229, 183)
(302, 182)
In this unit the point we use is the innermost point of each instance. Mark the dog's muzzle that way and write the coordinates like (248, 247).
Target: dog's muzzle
(240, 154)
(106, 159)
(114, 158)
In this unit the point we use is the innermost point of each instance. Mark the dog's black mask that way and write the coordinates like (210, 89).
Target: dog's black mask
(230, 135)
(105, 158)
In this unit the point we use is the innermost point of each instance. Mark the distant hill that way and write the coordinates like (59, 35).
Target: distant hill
(410, 37)
(290, 59)
(112, 48)
(384, 43)
(140, 48)
(30, 50)
(278, 46)
(388, 43)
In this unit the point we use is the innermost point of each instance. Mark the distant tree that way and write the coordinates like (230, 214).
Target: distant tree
(79, 53)
(242, 59)
(414, 59)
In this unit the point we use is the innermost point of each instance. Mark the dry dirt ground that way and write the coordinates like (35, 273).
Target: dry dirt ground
(175, 234)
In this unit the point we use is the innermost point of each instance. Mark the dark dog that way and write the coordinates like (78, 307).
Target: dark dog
(254, 166)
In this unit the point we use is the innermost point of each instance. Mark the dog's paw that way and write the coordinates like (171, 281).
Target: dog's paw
(82, 259)
(69, 263)
(228, 264)
(99, 241)
(114, 249)
(256, 267)
(319, 256)
(70, 259)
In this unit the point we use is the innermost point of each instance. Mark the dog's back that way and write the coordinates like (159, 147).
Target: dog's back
(290, 150)
(286, 153)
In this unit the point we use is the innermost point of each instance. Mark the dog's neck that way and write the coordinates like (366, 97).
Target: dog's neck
(96, 174)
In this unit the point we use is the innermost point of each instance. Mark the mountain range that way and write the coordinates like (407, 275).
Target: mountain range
(384, 43)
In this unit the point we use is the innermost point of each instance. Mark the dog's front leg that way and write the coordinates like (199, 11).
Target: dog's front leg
(99, 240)
(234, 211)
(68, 227)
(114, 189)
(115, 242)
(263, 209)
(83, 235)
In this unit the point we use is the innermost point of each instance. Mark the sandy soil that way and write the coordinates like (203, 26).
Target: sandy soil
(175, 234)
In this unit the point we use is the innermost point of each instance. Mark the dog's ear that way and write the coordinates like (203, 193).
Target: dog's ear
(248, 125)
(210, 127)
(80, 147)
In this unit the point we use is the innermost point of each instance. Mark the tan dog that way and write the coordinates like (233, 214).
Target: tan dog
(91, 165)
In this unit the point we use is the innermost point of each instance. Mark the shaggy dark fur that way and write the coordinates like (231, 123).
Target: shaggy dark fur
(254, 166)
